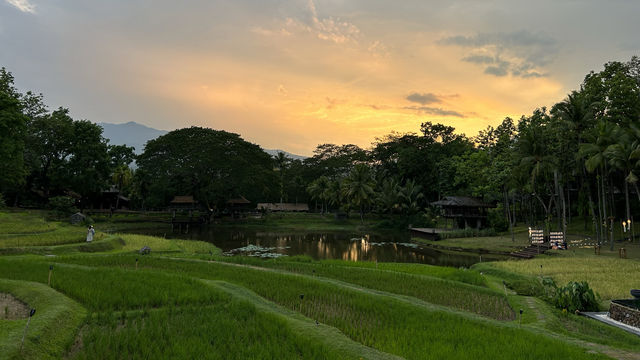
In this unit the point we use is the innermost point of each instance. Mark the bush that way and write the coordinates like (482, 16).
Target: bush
(3, 204)
(62, 205)
(575, 296)
(497, 220)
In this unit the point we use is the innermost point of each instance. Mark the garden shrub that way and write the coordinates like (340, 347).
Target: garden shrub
(497, 220)
(576, 296)
(62, 205)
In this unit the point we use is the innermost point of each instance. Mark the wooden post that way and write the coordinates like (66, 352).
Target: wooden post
(50, 271)
(136, 263)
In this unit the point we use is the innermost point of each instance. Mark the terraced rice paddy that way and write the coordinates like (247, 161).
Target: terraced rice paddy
(185, 300)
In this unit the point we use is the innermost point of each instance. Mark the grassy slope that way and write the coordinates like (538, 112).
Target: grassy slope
(610, 277)
(52, 328)
(385, 322)
(431, 289)
(389, 319)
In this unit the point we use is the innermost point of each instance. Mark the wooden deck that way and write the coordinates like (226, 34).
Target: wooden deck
(428, 233)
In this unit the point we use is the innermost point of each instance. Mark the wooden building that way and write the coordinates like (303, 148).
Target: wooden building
(238, 204)
(183, 203)
(464, 211)
(275, 207)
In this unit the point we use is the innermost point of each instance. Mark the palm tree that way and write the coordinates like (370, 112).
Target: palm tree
(594, 152)
(334, 193)
(411, 194)
(389, 196)
(281, 161)
(121, 177)
(318, 190)
(536, 161)
(357, 187)
(624, 156)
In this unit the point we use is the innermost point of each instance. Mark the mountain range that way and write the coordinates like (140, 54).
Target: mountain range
(137, 135)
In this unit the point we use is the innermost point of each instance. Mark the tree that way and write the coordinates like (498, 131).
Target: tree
(319, 191)
(282, 163)
(388, 198)
(87, 169)
(12, 133)
(121, 155)
(594, 152)
(335, 161)
(211, 165)
(122, 177)
(410, 194)
(358, 188)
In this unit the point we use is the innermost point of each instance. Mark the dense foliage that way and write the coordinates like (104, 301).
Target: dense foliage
(578, 158)
(211, 165)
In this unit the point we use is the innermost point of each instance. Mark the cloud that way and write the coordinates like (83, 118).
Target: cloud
(434, 111)
(423, 99)
(23, 5)
(519, 53)
(500, 70)
(479, 59)
(329, 28)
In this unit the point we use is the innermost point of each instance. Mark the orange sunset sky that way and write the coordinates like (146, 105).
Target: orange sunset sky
(291, 74)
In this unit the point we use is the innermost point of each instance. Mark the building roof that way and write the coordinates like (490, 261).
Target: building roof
(238, 201)
(283, 206)
(461, 201)
(187, 199)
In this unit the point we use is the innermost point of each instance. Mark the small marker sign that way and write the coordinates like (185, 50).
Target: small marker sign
(536, 236)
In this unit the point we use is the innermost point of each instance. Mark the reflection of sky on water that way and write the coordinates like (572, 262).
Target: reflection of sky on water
(383, 247)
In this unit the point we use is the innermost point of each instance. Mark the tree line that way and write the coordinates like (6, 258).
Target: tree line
(577, 159)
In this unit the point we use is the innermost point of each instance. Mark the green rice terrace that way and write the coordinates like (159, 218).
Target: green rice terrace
(183, 300)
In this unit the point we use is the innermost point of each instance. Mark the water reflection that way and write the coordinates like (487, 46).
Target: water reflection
(383, 247)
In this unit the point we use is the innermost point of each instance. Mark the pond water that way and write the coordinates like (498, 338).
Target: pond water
(353, 246)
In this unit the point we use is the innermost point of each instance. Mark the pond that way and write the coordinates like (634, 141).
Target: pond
(352, 246)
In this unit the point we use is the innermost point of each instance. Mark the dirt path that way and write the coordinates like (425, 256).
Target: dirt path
(11, 308)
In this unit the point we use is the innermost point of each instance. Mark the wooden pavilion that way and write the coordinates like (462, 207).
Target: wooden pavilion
(464, 211)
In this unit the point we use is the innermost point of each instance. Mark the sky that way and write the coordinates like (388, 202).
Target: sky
(292, 74)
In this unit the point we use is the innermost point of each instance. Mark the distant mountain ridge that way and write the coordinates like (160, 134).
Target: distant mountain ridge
(137, 135)
(274, 152)
(130, 134)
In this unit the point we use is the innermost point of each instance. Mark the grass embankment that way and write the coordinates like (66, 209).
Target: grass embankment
(422, 282)
(525, 292)
(51, 330)
(609, 276)
(22, 229)
(152, 314)
(29, 232)
(483, 244)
